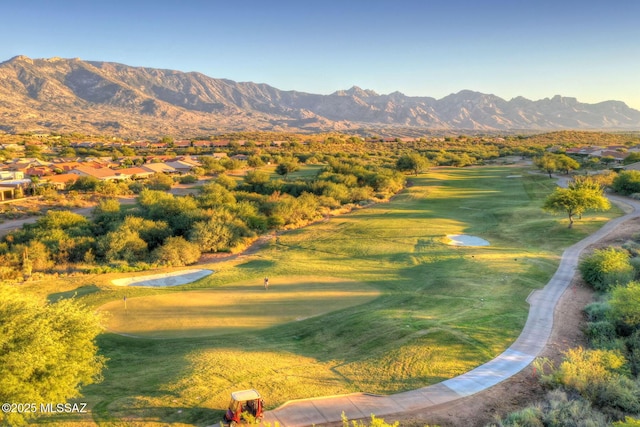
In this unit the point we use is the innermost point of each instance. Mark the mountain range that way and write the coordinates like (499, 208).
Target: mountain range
(91, 97)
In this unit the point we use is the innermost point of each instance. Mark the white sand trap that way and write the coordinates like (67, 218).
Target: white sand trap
(514, 176)
(466, 240)
(165, 279)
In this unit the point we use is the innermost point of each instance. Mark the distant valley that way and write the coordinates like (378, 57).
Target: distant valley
(72, 95)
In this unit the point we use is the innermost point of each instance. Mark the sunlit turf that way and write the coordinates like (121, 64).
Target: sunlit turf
(234, 308)
(442, 310)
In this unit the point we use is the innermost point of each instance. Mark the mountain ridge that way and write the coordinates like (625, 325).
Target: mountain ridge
(73, 95)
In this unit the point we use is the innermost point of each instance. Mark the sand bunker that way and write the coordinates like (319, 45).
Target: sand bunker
(465, 240)
(176, 278)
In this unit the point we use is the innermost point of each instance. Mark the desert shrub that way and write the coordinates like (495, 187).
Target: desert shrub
(633, 352)
(635, 263)
(527, 417)
(625, 304)
(226, 181)
(559, 410)
(160, 182)
(188, 179)
(176, 252)
(618, 395)
(584, 370)
(597, 311)
(605, 268)
(602, 335)
(627, 182)
(632, 247)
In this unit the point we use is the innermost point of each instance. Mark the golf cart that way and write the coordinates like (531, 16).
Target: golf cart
(246, 405)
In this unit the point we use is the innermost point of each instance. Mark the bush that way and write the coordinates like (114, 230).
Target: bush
(562, 411)
(602, 335)
(188, 179)
(605, 268)
(176, 252)
(597, 311)
(632, 247)
(527, 417)
(627, 182)
(633, 352)
(557, 410)
(585, 370)
(625, 304)
(618, 395)
(635, 263)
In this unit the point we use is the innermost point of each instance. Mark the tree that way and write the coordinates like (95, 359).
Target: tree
(176, 252)
(106, 215)
(211, 236)
(412, 162)
(581, 196)
(226, 181)
(123, 244)
(566, 163)
(257, 180)
(160, 182)
(255, 161)
(286, 166)
(627, 182)
(47, 351)
(85, 184)
(546, 163)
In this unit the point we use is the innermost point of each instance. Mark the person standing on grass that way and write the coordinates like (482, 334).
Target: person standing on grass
(266, 283)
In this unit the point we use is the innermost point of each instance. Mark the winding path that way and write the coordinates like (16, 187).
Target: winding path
(519, 355)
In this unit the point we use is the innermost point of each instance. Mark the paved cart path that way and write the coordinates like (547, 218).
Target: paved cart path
(523, 351)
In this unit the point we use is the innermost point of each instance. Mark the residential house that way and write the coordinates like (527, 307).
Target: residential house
(158, 145)
(103, 174)
(159, 168)
(189, 159)
(62, 181)
(181, 166)
(140, 144)
(11, 175)
(618, 156)
(221, 143)
(182, 144)
(202, 144)
(133, 173)
(11, 189)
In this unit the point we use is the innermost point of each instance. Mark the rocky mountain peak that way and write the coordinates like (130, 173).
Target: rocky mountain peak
(65, 95)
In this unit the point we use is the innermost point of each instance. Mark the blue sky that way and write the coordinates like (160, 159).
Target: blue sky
(537, 49)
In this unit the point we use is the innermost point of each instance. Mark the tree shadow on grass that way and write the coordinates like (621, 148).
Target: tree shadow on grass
(257, 265)
(74, 293)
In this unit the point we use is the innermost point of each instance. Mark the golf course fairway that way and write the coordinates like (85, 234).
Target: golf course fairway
(234, 308)
(374, 301)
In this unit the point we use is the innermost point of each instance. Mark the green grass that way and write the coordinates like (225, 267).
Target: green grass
(234, 308)
(442, 310)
